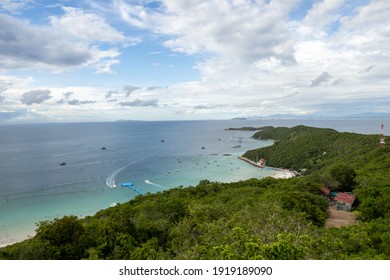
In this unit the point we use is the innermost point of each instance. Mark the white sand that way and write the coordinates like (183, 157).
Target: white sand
(283, 174)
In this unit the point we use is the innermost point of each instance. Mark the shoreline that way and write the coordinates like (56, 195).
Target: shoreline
(27, 233)
(279, 172)
(11, 240)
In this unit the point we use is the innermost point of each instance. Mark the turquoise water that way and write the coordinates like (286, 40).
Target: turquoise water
(153, 155)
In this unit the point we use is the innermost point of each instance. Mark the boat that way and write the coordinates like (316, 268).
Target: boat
(103, 148)
(63, 163)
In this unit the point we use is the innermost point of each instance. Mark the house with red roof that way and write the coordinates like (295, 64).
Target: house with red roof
(344, 201)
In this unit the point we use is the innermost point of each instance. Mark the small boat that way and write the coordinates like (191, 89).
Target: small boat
(162, 140)
(63, 163)
(103, 148)
(203, 148)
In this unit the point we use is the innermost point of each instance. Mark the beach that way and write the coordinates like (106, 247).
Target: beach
(278, 173)
(283, 174)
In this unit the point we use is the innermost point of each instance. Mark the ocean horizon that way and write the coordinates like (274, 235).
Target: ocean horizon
(55, 169)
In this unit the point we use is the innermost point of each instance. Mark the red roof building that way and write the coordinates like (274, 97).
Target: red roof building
(345, 198)
(325, 190)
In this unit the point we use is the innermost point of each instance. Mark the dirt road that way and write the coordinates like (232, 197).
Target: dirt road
(339, 218)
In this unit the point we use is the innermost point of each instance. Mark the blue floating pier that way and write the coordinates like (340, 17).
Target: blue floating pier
(131, 186)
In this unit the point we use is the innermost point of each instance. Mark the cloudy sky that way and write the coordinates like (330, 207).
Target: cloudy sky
(104, 60)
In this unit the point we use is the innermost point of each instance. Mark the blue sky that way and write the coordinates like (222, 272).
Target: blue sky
(192, 59)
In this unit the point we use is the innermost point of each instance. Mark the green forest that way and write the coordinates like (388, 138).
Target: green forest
(273, 219)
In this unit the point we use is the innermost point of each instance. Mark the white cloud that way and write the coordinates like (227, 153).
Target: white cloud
(243, 31)
(9, 85)
(71, 40)
(85, 26)
(14, 6)
(322, 14)
(253, 57)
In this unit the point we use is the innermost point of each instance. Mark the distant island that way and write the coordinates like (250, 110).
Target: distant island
(367, 115)
(239, 119)
(247, 128)
(269, 218)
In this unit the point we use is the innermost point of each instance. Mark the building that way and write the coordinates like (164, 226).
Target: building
(262, 161)
(344, 201)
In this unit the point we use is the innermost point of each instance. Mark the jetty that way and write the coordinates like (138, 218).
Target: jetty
(251, 162)
(131, 186)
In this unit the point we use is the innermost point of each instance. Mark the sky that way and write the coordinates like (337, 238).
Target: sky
(108, 60)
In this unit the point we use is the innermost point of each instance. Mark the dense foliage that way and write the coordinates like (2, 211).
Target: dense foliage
(254, 219)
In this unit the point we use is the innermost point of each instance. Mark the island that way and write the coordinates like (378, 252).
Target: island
(248, 128)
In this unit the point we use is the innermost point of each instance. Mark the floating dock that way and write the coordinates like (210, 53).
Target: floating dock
(131, 186)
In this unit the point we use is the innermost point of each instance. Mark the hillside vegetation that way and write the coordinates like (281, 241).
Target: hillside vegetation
(254, 219)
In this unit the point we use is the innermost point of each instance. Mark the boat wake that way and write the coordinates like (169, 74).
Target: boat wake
(69, 154)
(110, 181)
(147, 181)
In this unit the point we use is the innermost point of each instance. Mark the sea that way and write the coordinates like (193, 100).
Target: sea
(54, 169)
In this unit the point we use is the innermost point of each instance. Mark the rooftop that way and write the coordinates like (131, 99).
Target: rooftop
(345, 197)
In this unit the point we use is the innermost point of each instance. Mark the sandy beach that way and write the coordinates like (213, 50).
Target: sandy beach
(278, 174)
(15, 238)
(283, 174)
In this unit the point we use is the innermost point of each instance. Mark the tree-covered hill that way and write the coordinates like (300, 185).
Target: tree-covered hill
(311, 148)
(254, 219)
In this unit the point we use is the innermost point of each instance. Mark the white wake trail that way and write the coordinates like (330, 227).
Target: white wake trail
(147, 181)
(110, 181)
